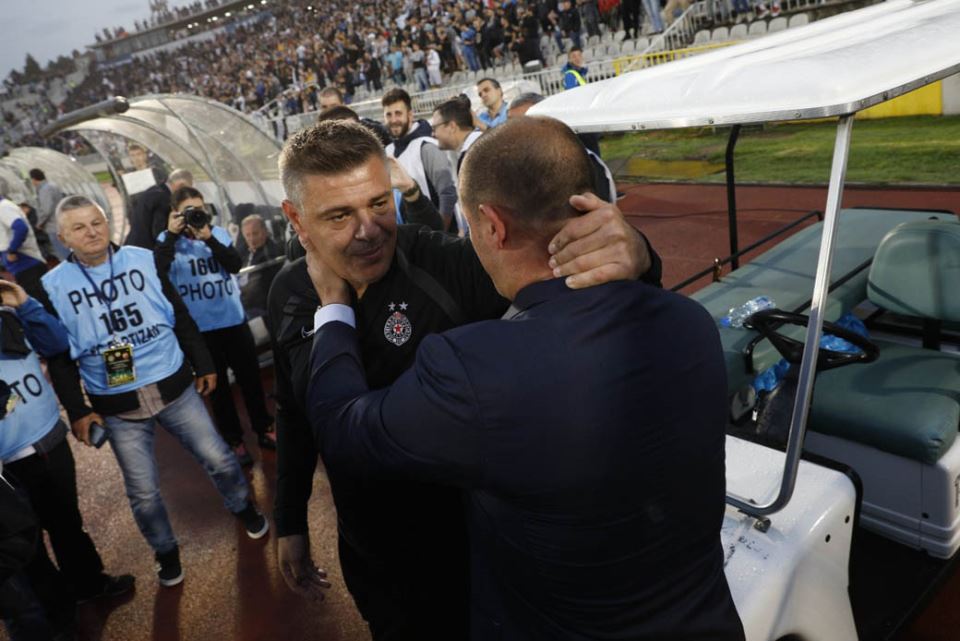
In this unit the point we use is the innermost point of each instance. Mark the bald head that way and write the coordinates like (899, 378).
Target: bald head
(532, 183)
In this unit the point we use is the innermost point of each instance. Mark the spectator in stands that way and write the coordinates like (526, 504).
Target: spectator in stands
(567, 25)
(48, 195)
(143, 363)
(453, 127)
(590, 15)
(261, 247)
(201, 261)
(418, 59)
(331, 97)
(632, 18)
(21, 253)
(152, 209)
(417, 151)
(491, 95)
(33, 443)
(433, 66)
(468, 43)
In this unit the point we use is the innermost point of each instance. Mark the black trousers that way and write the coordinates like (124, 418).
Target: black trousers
(632, 17)
(233, 348)
(50, 482)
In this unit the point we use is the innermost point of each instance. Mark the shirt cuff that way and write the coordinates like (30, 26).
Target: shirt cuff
(334, 312)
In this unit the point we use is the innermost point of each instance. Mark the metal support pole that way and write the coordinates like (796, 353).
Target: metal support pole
(732, 197)
(818, 304)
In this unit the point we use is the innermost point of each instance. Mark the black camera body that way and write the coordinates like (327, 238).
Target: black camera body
(196, 217)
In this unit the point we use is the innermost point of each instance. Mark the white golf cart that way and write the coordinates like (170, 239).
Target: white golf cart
(881, 451)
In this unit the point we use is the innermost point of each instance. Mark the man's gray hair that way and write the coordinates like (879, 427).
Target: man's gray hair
(180, 176)
(71, 203)
(254, 218)
(525, 99)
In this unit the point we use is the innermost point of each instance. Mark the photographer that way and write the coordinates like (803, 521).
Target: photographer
(200, 261)
(33, 446)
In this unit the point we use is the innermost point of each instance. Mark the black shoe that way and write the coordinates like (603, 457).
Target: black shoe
(110, 586)
(255, 523)
(168, 568)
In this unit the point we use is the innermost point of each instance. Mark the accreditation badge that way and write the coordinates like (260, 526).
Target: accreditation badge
(118, 360)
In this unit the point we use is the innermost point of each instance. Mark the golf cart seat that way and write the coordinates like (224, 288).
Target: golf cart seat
(895, 420)
(786, 273)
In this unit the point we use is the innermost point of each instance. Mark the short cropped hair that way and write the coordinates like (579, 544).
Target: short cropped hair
(396, 95)
(338, 112)
(182, 194)
(180, 176)
(492, 81)
(37, 174)
(325, 149)
(254, 218)
(70, 203)
(457, 110)
(533, 182)
(525, 99)
(332, 91)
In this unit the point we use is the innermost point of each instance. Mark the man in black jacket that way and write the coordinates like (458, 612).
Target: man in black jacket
(595, 490)
(151, 209)
(402, 546)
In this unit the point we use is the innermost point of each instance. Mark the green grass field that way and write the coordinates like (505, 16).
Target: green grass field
(912, 150)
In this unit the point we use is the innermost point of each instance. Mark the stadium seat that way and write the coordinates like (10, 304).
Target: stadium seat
(757, 28)
(777, 24)
(720, 34)
(593, 41)
(738, 32)
(561, 60)
(628, 47)
(701, 37)
(618, 36)
(799, 20)
(642, 43)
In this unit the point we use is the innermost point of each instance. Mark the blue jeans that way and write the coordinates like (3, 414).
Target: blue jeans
(652, 7)
(470, 53)
(741, 6)
(132, 441)
(574, 37)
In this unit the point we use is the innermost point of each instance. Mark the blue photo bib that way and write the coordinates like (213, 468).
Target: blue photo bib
(211, 294)
(129, 308)
(32, 410)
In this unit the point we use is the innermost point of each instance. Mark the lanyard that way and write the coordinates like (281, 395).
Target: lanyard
(101, 296)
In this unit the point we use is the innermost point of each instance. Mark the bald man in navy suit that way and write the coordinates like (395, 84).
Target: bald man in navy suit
(594, 481)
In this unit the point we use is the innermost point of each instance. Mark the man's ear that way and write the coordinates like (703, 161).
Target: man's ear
(492, 220)
(292, 214)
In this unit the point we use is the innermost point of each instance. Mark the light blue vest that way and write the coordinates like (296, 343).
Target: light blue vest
(138, 314)
(212, 295)
(35, 412)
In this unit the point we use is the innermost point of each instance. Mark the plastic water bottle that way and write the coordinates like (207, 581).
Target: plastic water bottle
(737, 315)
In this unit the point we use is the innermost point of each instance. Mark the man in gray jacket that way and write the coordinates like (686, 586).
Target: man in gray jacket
(48, 195)
(418, 152)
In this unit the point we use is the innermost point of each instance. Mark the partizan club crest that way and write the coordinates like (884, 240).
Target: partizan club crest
(397, 329)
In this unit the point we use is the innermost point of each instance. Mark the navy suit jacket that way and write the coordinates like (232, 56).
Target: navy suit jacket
(588, 433)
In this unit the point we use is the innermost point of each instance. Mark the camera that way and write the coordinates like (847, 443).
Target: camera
(196, 217)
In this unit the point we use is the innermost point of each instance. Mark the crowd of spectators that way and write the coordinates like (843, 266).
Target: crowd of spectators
(348, 45)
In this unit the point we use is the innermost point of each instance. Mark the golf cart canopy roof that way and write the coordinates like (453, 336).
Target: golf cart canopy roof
(831, 67)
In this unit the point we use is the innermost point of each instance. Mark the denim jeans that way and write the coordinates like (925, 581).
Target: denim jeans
(574, 38)
(652, 7)
(470, 53)
(186, 419)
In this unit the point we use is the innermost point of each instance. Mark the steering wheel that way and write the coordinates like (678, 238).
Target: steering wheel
(768, 321)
